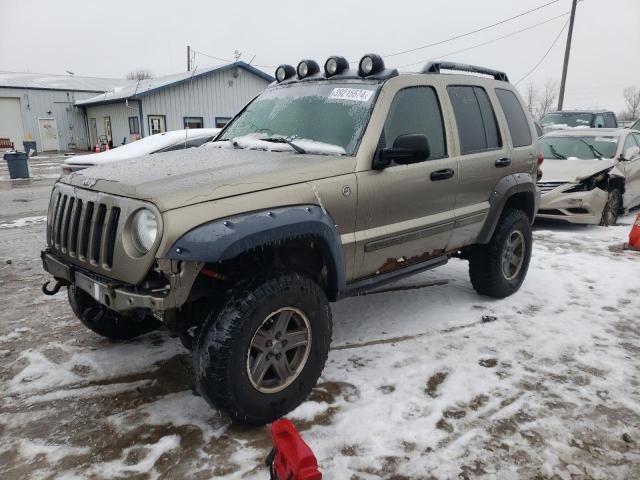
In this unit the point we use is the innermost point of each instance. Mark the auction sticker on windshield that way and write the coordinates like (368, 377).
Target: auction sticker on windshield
(355, 94)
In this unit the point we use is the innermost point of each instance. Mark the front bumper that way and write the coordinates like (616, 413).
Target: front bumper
(573, 207)
(116, 296)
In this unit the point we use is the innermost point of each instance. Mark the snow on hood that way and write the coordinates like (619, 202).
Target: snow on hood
(563, 126)
(142, 147)
(255, 141)
(573, 169)
(183, 177)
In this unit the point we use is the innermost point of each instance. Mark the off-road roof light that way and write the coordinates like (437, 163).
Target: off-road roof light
(307, 68)
(335, 65)
(370, 64)
(284, 71)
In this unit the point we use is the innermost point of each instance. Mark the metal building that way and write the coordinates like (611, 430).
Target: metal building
(198, 99)
(41, 108)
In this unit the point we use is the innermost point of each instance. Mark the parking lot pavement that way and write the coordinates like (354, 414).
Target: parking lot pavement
(425, 381)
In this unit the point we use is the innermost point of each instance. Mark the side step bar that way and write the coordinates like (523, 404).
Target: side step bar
(361, 286)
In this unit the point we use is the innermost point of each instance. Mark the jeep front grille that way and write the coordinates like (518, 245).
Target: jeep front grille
(84, 230)
(546, 187)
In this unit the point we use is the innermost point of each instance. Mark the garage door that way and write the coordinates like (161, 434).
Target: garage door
(11, 120)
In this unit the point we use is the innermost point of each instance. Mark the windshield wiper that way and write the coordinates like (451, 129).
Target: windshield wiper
(556, 153)
(297, 148)
(594, 150)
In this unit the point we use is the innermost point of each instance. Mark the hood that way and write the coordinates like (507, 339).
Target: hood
(184, 177)
(572, 170)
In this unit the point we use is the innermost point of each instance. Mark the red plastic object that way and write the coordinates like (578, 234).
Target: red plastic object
(292, 459)
(634, 235)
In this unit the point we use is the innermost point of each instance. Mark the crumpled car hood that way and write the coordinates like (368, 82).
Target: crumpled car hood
(572, 170)
(180, 178)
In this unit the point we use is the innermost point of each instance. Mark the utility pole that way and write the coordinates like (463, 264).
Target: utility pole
(566, 55)
(188, 58)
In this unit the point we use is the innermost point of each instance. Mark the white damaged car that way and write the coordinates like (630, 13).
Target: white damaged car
(589, 176)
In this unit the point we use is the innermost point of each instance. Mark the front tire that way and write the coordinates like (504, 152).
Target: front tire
(612, 208)
(260, 355)
(498, 268)
(106, 322)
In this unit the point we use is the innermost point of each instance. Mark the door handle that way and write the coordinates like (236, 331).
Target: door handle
(503, 162)
(442, 174)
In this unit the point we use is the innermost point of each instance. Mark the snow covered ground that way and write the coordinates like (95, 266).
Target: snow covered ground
(425, 382)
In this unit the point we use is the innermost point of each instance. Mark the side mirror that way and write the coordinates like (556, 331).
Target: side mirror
(630, 153)
(406, 149)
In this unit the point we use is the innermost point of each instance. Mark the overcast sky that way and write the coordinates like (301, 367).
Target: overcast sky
(112, 37)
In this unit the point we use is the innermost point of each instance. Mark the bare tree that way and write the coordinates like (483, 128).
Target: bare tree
(632, 99)
(530, 97)
(548, 97)
(140, 74)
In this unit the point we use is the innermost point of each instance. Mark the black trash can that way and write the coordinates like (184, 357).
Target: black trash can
(18, 164)
(28, 146)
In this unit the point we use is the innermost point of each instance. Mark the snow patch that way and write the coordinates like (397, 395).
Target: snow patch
(23, 222)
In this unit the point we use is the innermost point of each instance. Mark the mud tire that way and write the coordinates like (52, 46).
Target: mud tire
(106, 322)
(485, 261)
(221, 351)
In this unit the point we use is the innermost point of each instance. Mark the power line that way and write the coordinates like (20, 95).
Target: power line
(489, 41)
(555, 40)
(471, 32)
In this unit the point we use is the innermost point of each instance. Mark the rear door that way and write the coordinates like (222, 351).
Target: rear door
(485, 157)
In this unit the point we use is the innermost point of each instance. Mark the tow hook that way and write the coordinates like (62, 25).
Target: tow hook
(56, 288)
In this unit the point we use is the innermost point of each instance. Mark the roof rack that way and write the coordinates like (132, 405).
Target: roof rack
(435, 67)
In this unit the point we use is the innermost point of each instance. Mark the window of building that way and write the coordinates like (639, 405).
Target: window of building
(516, 118)
(221, 122)
(134, 125)
(157, 124)
(476, 120)
(416, 110)
(193, 122)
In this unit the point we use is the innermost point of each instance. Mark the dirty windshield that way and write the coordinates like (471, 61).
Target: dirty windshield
(582, 147)
(567, 119)
(320, 113)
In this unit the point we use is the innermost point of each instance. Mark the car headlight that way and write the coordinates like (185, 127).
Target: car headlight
(144, 229)
(588, 184)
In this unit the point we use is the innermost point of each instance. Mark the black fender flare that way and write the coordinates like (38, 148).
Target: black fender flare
(226, 238)
(508, 186)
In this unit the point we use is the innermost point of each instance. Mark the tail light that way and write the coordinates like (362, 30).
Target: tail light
(540, 159)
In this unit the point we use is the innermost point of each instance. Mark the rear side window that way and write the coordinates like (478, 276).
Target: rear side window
(610, 120)
(516, 118)
(416, 110)
(476, 120)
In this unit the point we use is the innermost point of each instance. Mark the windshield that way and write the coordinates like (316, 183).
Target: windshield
(567, 119)
(582, 147)
(334, 114)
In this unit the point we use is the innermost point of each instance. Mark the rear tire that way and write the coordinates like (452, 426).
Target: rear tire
(612, 208)
(498, 268)
(106, 322)
(253, 358)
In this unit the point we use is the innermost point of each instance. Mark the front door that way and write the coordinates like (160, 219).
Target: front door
(157, 124)
(631, 167)
(405, 212)
(48, 134)
(107, 130)
(93, 131)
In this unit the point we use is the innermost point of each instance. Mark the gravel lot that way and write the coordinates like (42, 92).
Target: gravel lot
(417, 384)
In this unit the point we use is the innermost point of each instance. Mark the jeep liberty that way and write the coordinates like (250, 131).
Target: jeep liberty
(330, 183)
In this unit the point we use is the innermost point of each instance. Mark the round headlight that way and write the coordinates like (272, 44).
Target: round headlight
(306, 68)
(284, 71)
(335, 65)
(144, 229)
(370, 64)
